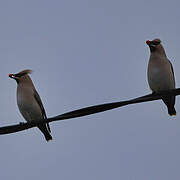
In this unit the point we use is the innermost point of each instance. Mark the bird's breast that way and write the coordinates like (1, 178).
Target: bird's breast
(160, 78)
(28, 106)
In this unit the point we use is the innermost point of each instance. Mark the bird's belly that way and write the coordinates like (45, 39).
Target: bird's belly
(29, 110)
(159, 80)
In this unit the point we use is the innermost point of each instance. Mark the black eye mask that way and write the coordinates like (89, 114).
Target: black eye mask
(155, 43)
(20, 75)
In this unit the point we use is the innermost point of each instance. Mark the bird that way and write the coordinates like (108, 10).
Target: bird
(160, 73)
(29, 101)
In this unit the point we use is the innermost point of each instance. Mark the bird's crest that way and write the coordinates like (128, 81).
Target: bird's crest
(24, 72)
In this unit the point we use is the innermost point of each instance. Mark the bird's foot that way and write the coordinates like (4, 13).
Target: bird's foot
(21, 123)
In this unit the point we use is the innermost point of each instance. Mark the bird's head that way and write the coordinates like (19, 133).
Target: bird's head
(21, 75)
(156, 46)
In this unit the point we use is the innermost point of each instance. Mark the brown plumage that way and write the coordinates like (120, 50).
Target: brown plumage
(29, 101)
(160, 73)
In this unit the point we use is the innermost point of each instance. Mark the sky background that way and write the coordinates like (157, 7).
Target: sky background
(88, 52)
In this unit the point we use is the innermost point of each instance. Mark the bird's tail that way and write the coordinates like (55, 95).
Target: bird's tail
(45, 131)
(171, 111)
(170, 102)
(48, 137)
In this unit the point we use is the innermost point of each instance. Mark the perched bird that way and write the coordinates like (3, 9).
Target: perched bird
(160, 73)
(29, 101)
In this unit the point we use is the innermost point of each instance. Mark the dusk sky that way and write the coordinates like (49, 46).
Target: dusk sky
(82, 53)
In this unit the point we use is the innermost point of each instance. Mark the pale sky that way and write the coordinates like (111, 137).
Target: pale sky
(82, 53)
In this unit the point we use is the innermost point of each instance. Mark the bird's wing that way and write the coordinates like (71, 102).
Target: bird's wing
(38, 99)
(172, 71)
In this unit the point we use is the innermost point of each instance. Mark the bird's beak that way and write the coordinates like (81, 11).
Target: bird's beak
(148, 42)
(11, 76)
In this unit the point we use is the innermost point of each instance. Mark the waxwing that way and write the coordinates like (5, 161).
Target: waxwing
(160, 73)
(29, 101)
